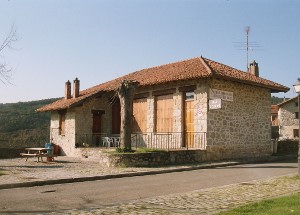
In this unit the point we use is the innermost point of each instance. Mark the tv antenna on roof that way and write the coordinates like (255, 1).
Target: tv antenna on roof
(247, 46)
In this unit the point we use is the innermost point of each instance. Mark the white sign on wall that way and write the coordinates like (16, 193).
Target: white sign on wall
(215, 104)
(220, 94)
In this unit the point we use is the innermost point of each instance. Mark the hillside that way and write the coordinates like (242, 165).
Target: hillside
(276, 100)
(21, 126)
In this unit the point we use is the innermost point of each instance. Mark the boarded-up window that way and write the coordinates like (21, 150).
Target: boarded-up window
(62, 123)
(139, 118)
(164, 113)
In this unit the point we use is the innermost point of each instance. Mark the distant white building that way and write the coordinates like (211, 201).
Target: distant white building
(288, 117)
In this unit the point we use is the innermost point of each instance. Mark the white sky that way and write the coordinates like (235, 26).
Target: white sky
(97, 41)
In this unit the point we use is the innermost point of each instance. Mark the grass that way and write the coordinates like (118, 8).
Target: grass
(2, 173)
(138, 150)
(278, 206)
(146, 150)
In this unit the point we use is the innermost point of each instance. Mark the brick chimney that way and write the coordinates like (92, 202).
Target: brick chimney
(76, 85)
(253, 69)
(68, 90)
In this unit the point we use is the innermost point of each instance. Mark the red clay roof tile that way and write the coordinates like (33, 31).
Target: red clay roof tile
(195, 68)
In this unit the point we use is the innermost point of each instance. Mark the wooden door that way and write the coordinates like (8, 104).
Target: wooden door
(96, 121)
(189, 121)
(116, 117)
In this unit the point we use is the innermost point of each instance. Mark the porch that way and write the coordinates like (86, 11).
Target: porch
(153, 140)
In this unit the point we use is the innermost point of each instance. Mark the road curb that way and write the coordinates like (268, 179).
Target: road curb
(133, 174)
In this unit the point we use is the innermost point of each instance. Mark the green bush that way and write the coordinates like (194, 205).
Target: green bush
(124, 150)
(138, 150)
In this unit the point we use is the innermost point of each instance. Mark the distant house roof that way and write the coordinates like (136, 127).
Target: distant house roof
(287, 101)
(191, 69)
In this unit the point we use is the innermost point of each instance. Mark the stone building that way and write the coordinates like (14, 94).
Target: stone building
(288, 117)
(192, 104)
(274, 115)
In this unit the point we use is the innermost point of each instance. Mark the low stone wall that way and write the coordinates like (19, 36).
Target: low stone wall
(10, 152)
(287, 147)
(108, 157)
(156, 158)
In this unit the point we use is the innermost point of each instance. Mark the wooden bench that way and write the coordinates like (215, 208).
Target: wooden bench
(37, 153)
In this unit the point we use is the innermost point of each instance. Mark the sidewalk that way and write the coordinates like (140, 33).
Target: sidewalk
(21, 173)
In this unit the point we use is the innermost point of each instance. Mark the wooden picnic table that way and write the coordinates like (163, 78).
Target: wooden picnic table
(38, 152)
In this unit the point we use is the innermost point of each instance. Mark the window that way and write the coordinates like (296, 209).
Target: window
(296, 133)
(189, 96)
(296, 104)
(62, 124)
(296, 115)
(164, 113)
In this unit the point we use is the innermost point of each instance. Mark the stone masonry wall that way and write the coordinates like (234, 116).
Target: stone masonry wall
(66, 141)
(287, 120)
(201, 107)
(154, 158)
(78, 125)
(241, 128)
(84, 116)
(84, 121)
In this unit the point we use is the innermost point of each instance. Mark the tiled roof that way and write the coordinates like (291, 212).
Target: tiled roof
(191, 69)
(288, 101)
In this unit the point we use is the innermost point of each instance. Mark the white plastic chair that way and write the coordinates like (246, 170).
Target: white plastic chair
(107, 141)
(116, 141)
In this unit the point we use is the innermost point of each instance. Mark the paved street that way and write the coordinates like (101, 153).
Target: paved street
(206, 190)
(205, 201)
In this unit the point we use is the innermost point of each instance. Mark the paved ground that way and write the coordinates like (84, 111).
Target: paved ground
(18, 171)
(203, 201)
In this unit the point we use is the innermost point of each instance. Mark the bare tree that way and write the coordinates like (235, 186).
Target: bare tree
(126, 93)
(5, 71)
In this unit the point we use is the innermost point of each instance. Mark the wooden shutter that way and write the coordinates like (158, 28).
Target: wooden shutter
(62, 123)
(164, 113)
(139, 118)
